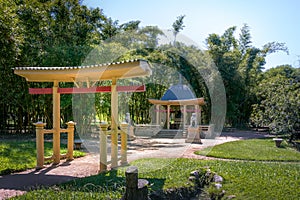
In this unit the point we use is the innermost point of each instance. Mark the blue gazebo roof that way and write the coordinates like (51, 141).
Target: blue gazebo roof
(178, 92)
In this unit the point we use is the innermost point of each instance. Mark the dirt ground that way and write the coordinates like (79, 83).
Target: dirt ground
(19, 183)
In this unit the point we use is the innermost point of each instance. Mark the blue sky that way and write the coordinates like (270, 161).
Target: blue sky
(269, 20)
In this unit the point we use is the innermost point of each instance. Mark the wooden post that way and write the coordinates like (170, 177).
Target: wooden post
(114, 124)
(168, 116)
(197, 113)
(70, 140)
(103, 147)
(39, 132)
(200, 114)
(184, 116)
(125, 128)
(157, 114)
(135, 188)
(56, 124)
(131, 183)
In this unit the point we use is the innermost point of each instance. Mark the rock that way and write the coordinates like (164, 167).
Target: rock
(217, 178)
(231, 197)
(208, 173)
(218, 185)
(192, 178)
(195, 173)
(223, 193)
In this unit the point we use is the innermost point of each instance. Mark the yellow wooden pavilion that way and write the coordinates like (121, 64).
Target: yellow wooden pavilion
(88, 74)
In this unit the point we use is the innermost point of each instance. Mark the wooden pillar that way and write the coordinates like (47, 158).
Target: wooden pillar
(56, 124)
(70, 140)
(114, 124)
(184, 116)
(168, 116)
(103, 147)
(39, 131)
(125, 128)
(157, 114)
(200, 114)
(197, 113)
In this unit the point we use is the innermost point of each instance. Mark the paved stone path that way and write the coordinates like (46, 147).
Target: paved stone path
(19, 183)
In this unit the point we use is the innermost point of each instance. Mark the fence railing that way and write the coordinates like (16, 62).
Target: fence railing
(40, 132)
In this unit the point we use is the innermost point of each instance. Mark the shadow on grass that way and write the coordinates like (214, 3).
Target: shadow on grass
(107, 182)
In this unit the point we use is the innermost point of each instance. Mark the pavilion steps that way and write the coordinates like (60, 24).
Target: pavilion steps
(171, 133)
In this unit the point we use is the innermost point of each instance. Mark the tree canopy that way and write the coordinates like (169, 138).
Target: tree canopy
(67, 33)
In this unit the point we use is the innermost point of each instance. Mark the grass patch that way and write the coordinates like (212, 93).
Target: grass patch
(21, 155)
(246, 180)
(254, 149)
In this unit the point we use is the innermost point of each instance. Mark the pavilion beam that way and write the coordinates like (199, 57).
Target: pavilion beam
(114, 124)
(80, 90)
(56, 123)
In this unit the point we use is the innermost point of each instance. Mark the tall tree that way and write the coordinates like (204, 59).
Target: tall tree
(11, 41)
(240, 65)
(278, 105)
(178, 26)
(41, 33)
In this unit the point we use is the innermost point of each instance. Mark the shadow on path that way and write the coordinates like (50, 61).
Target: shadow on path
(33, 179)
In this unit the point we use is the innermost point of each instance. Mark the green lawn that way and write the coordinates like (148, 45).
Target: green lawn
(254, 149)
(246, 180)
(21, 155)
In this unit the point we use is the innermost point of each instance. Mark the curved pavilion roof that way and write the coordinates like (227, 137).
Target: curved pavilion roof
(178, 95)
(178, 92)
(107, 71)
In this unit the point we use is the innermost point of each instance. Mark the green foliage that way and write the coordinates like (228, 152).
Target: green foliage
(21, 155)
(240, 65)
(11, 41)
(41, 33)
(178, 26)
(279, 98)
(67, 33)
(254, 149)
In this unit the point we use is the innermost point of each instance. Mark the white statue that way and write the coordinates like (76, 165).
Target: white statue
(193, 120)
(127, 118)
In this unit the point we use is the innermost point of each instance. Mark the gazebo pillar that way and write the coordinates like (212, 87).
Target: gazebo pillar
(56, 123)
(114, 124)
(197, 113)
(157, 114)
(168, 116)
(184, 116)
(200, 114)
